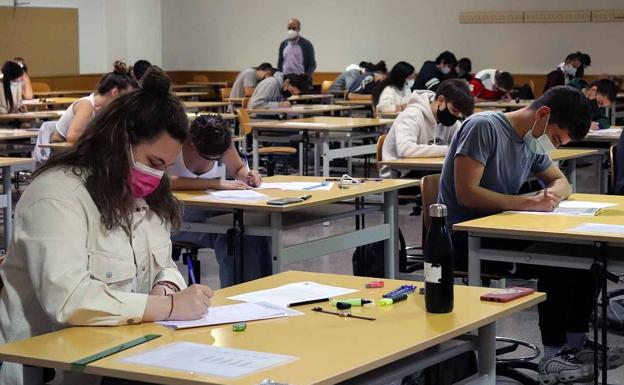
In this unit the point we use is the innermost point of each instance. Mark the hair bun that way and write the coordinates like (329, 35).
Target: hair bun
(156, 81)
(120, 67)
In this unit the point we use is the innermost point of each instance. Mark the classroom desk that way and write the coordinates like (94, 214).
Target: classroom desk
(8, 165)
(330, 349)
(17, 133)
(225, 116)
(435, 164)
(196, 106)
(234, 101)
(46, 103)
(31, 116)
(300, 109)
(57, 148)
(208, 84)
(57, 93)
(311, 97)
(507, 106)
(258, 218)
(189, 94)
(322, 126)
(182, 87)
(617, 108)
(601, 140)
(556, 243)
(355, 102)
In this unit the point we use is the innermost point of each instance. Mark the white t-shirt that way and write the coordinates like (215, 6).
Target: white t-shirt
(179, 169)
(62, 126)
(391, 97)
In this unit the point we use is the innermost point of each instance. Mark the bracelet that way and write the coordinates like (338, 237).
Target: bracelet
(170, 311)
(168, 284)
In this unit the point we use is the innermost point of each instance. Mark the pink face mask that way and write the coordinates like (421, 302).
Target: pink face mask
(143, 179)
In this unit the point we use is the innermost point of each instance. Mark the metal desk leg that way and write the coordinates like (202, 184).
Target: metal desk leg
(317, 159)
(8, 210)
(306, 147)
(487, 353)
(391, 217)
(276, 242)
(474, 263)
(572, 173)
(239, 256)
(254, 150)
(326, 157)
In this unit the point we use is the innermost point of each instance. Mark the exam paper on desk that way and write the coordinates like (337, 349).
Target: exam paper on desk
(297, 186)
(574, 208)
(293, 292)
(206, 359)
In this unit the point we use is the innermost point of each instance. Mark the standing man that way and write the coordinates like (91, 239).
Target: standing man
(296, 54)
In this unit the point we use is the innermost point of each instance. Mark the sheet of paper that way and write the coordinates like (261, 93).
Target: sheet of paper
(606, 131)
(208, 359)
(599, 228)
(239, 195)
(293, 292)
(577, 208)
(242, 312)
(298, 186)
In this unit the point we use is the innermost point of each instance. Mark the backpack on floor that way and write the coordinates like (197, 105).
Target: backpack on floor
(368, 260)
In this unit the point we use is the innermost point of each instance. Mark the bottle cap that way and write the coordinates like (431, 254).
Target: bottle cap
(437, 210)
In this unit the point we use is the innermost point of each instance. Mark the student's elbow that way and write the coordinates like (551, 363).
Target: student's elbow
(465, 194)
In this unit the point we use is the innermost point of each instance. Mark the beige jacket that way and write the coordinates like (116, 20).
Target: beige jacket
(63, 268)
(16, 92)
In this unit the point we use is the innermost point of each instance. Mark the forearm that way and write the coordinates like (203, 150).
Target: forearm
(561, 188)
(487, 200)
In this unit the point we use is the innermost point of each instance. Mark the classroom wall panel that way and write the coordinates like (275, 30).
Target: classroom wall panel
(224, 35)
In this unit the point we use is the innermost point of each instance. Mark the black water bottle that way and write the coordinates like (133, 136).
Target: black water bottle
(438, 255)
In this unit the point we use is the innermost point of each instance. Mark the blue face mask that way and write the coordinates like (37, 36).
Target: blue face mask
(410, 83)
(541, 145)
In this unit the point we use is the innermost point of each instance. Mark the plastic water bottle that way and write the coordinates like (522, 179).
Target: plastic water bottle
(438, 255)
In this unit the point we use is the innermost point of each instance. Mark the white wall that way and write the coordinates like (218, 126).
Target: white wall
(112, 29)
(234, 34)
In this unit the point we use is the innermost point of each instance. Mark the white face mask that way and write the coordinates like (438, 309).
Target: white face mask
(445, 70)
(570, 70)
(410, 83)
(292, 34)
(541, 145)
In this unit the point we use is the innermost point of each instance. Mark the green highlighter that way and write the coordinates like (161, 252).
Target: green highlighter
(351, 301)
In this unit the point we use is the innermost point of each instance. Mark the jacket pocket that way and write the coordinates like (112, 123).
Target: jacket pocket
(162, 255)
(111, 270)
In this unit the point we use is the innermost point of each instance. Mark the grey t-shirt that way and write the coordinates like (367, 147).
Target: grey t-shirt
(245, 78)
(490, 139)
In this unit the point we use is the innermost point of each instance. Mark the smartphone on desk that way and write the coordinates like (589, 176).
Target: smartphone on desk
(506, 295)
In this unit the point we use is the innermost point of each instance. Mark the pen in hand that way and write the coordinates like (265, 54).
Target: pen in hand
(543, 186)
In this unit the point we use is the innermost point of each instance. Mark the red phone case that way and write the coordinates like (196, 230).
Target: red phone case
(506, 295)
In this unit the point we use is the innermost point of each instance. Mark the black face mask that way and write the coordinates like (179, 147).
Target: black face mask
(286, 94)
(445, 117)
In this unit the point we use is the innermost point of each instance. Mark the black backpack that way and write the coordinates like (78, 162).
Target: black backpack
(368, 260)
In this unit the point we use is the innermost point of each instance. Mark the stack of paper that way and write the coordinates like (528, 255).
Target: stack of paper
(576, 208)
(242, 312)
(294, 292)
(239, 195)
(298, 186)
(190, 357)
(606, 131)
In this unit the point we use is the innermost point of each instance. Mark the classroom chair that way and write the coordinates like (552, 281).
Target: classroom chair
(225, 93)
(325, 85)
(269, 151)
(40, 87)
(506, 367)
(613, 167)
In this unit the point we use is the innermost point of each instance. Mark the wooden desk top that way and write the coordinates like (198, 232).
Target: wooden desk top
(336, 194)
(189, 94)
(355, 102)
(551, 226)
(210, 84)
(226, 116)
(62, 93)
(502, 104)
(197, 105)
(58, 101)
(330, 349)
(10, 133)
(29, 116)
(13, 161)
(296, 98)
(437, 163)
(300, 109)
(321, 123)
(58, 147)
(388, 115)
(187, 86)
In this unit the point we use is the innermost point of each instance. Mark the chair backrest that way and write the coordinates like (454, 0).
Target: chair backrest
(225, 93)
(245, 102)
(378, 148)
(429, 188)
(40, 87)
(244, 121)
(44, 137)
(200, 78)
(325, 85)
(613, 166)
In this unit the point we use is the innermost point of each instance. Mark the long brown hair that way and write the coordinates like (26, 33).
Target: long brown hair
(101, 156)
